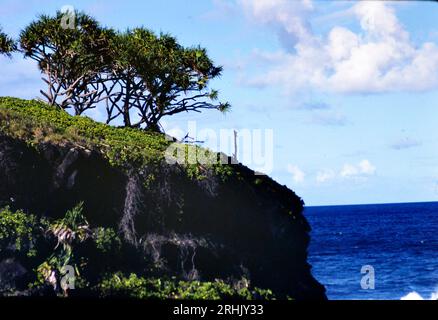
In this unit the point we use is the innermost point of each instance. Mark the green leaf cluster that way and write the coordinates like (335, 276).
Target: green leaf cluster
(7, 44)
(118, 285)
(16, 231)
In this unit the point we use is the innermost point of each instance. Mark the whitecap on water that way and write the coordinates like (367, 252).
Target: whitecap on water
(416, 296)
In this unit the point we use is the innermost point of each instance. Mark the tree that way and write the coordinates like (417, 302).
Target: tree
(7, 45)
(122, 81)
(130, 72)
(70, 59)
(157, 77)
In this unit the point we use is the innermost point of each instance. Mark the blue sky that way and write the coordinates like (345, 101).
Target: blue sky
(348, 89)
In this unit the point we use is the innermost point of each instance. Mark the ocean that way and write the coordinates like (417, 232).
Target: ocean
(384, 251)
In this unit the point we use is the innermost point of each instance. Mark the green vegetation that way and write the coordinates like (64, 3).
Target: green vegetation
(107, 240)
(70, 58)
(70, 235)
(7, 45)
(123, 73)
(258, 181)
(154, 288)
(87, 66)
(48, 246)
(16, 231)
(69, 232)
(132, 72)
(36, 122)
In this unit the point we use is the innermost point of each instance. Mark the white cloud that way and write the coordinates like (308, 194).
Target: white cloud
(325, 176)
(366, 167)
(363, 169)
(379, 58)
(349, 170)
(360, 171)
(287, 18)
(297, 174)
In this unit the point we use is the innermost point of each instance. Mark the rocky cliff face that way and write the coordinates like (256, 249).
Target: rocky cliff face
(244, 226)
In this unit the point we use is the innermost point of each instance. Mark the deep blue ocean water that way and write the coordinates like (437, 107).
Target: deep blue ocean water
(400, 241)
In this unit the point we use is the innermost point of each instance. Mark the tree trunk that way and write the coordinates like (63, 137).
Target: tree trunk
(126, 106)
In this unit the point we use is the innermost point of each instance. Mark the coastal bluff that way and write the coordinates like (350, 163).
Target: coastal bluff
(184, 222)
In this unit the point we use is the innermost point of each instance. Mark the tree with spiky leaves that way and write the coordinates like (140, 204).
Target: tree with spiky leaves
(132, 71)
(71, 59)
(121, 80)
(157, 77)
(7, 44)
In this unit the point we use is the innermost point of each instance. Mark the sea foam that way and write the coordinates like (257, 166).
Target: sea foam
(416, 296)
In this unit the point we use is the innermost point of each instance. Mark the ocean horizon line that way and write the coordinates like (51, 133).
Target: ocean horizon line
(368, 204)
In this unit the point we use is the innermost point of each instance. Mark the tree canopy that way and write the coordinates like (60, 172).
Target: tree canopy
(7, 44)
(156, 77)
(134, 75)
(69, 58)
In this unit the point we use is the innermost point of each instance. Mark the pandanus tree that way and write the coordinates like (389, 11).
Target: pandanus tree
(122, 82)
(178, 80)
(70, 59)
(137, 75)
(154, 76)
(7, 44)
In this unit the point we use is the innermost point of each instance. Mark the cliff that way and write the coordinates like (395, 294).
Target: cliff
(186, 224)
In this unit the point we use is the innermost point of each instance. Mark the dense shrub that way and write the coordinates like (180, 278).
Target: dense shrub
(156, 288)
(17, 231)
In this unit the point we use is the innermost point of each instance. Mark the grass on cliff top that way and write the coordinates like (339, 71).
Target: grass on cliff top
(35, 122)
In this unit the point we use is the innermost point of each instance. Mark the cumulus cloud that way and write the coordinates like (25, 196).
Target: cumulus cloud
(405, 143)
(325, 176)
(366, 167)
(297, 174)
(362, 169)
(379, 58)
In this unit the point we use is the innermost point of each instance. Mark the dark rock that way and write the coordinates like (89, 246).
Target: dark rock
(11, 271)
